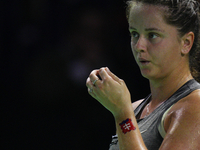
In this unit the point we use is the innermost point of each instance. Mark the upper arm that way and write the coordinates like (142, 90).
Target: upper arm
(183, 131)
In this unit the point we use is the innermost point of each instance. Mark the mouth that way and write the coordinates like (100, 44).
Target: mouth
(143, 61)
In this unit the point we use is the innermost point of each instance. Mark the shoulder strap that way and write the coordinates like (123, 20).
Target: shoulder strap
(157, 114)
(142, 105)
(161, 128)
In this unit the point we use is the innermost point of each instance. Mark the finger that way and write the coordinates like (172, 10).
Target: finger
(91, 92)
(88, 82)
(90, 87)
(112, 75)
(103, 74)
(94, 77)
(94, 82)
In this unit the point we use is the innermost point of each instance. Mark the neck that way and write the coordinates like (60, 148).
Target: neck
(162, 89)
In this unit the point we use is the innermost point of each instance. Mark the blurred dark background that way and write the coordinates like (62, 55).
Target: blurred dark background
(48, 48)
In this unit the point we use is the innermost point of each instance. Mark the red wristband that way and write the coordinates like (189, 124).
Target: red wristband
(127, 126)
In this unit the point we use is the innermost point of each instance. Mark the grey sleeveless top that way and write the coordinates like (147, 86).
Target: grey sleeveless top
(149, 125)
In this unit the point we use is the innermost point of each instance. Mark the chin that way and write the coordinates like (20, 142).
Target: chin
(148, 75)
(145, 72)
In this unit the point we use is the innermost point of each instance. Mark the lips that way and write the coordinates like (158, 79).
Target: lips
(143, 61)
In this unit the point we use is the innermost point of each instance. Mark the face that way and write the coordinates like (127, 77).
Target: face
(156, 45)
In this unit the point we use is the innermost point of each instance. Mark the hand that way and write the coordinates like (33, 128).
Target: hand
(110, 91)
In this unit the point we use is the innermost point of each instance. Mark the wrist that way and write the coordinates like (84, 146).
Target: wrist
(123, 114)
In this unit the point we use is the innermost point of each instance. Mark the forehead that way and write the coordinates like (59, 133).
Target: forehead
(146, 14)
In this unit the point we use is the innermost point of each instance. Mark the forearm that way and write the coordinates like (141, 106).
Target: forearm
(113, 94)
(129, 135)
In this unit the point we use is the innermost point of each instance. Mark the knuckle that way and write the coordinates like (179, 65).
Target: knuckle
(100, 86)
(102, 68)
(93, 72)
(87, 81)
(90, 75)
(106, 80)
(121, 81)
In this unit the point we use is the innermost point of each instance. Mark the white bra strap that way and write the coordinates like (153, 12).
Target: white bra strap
(161, 125)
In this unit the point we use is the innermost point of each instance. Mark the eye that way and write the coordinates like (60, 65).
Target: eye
(153, 35)
(134, 34)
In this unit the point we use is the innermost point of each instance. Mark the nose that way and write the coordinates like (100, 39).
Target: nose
(140, 45)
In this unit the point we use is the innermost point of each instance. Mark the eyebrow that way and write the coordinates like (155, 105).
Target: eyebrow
(148, 29)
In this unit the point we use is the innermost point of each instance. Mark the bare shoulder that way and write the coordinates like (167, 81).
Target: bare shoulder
(189, 105)
(136, 103)
(182, 123)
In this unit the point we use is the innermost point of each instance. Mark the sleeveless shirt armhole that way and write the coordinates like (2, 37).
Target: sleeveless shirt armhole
(161, 125)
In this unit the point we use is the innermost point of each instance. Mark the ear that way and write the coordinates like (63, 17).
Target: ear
(187, 42)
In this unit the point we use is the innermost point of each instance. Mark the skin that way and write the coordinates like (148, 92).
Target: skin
(163, 58)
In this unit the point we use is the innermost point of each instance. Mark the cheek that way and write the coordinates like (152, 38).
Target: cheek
(132, 44)
(166, 56)
(160, 55)
(132, 48)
